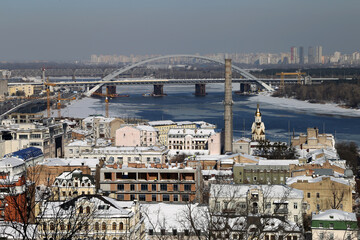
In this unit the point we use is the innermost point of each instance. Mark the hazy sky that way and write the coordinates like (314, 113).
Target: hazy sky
(74, 29)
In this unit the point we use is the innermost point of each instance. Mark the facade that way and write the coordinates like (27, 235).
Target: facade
(72, 184)
(323, 193)
(194, 141)
(151, 183)
(261, 173)
(91, 217)
(310, 168)
(136, 136)
(126, 155)
(74, 149)
(102, 127)
(313, 140)
(258, 127)
(27, 89)
(334, 224)
(242, 145)
(13, 204)
(269, 200)
(164, 126)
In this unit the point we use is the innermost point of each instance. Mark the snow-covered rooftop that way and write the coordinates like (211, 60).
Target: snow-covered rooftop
(335, 215)
(311, 179)
(162, 122)
(90, 162)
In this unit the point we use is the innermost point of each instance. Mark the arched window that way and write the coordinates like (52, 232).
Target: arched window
(62, 227)
(114, 238)
(44, 226)
(114, 226)
(81, 210)
(69, 226)
(86, 226)
(89, 184)
(87, 209)
(97, 226)
(121, 226)
(103, 227)
(52, 226)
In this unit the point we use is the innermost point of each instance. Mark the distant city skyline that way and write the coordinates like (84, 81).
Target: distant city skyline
(66, 30)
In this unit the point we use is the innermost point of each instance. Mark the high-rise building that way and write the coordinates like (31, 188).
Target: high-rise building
(294, 55)
(319, 55)
(311, 55)
(301, 55)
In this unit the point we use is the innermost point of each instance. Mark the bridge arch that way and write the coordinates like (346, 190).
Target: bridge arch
(244, 73)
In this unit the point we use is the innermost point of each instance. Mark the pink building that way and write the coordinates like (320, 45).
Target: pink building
(136, 136)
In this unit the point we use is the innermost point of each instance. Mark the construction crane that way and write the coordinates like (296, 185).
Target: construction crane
(283, 74)
(59, 99)
(47, 86)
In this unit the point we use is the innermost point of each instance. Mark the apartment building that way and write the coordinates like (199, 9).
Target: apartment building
(72, 184)
(27, 89)
(151, 182)
(194, 141)
(245, 199)
(136, 136)
(313, 140)
(126, 155)
(91, 217)
(102, 127)
(324, 192)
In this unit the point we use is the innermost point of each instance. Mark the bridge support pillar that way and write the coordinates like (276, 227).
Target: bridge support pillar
(158, 89)
(111, 89)
(200, 89)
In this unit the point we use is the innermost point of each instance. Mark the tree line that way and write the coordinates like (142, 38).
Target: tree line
(345, 94)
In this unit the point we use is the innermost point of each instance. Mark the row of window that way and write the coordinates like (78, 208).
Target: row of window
(70, 226)
(155, 198)
(163, 187)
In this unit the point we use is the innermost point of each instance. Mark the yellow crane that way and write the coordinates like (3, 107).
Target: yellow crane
(283, 74)
(47, 86)
(59, 99)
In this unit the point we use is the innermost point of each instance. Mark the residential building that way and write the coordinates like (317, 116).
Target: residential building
(258, 127)
(264, 172)
(269, 200)
(334, 224)
(313, 140)
(136, 136)
(91, 217)
(72, 184)
(164, 126)
(310, 168)
(27, 89)
(126, 155)
(242, 145)
(324, 192)
(13, 204)
(194, 141)
(151, 182)
(102, 127)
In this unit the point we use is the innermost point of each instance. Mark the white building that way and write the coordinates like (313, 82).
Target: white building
(258, 127)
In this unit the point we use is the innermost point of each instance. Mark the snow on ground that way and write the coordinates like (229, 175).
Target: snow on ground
(302, 106)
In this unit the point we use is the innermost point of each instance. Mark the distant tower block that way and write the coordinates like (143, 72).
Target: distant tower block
(258, 127)
(228, 115)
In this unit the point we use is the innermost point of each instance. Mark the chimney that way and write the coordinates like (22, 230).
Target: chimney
(228, 115)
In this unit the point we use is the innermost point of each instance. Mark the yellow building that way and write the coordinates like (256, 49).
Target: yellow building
(323, 193)
(165, 125)
(27, 89)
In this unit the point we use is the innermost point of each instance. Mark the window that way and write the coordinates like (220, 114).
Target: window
(318, 207)
(187, 187)
(62, 226)
(151, 232)
(44, 226)
(174, 232)
(321, 236)
(166, 197)
(118, 175)
(331, 226)
(120, 197)
(81, 210)
(148, 159)
(120, 187)
(176, 198)
(296, 218)
(308, 195)
(268, 205)
(321, 225)
(175, 186)
(114, 226)
(132, 187)
(121, 226)
(107, 176)
(103, 226)
(35, 135)
(153, 198)
(132, 197)
(87, 209)
(129, 159)
(185, 198)
(144, 187)
(142, 197)
(295, 205)
(163, 187)
(23, 136)
(97, 226)
(317, 195)
(153, 187)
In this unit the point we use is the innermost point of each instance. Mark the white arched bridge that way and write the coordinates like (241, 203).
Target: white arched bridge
(116, 73)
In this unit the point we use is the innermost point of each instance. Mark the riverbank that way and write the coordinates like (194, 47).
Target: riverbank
(330, 109)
